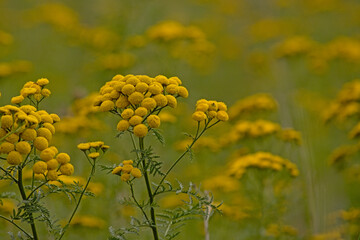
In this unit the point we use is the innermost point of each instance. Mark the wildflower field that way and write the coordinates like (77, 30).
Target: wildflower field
(193, 119)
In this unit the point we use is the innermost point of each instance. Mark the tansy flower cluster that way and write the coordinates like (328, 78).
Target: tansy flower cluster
(208, 110)
(24, 127)
(126, 170)
(91, 149)
(261, 102)
(139, 99)
(261, 160)
(35, 91)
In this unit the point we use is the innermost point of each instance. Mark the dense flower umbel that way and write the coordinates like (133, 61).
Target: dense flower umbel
(261, 160)
(210, 110)
(92, 149)
(138, 99)
(126, 170)
(24, 128)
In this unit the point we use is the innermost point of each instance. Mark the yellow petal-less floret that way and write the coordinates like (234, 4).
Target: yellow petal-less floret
(132, 80)
(141, 111)
(125, 177)
(106, 106)
(171, 101)
(199, 116)
(63, 158)
(122, 102)
(148, 103)
(39, 167)
(222, 106)
(52, 164)
(222, 116)
(44, 132)
(136, 172)
(183, 92)
(203, 107)
(153, 121)
(93, 155)
(23, 147)
(128, 89)
(160, 100)
(127, 162)
(3, 132)
(45, 92)
(14, 158)
(155, 88)
(55, 117)
(47, 154)
(55, 150)
(123, 125)
(140, 130)
(52, 175)
(67, 169)
(42, 82)
(6, 121)
(28, 134)
(83, 146)
(212, 114)
(96, 144)
(6, 147)
(40, 143)
(135, 120)
(13, 138)
(117, 170)
(136, 98)
(213, 105)
(17, 99)
(127, 168)
(50, 127)
(141, 87)
(127, 113)
(172, 89)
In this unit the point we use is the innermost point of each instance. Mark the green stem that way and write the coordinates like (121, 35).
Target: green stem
(81, 195)
(31, 193)
(7, 173)
(12, 222)
(23, 196)
(137, 203)
(148, 187)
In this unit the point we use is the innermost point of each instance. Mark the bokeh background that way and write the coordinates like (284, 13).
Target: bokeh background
(286, 68)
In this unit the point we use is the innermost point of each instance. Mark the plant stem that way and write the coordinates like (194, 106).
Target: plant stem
(23, 196)
(137, 203)
(197, 136)
(7, 173)
(148, 187)
(12, 222)
(81, 195)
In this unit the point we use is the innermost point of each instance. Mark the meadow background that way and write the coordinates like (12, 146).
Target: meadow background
(297, 53)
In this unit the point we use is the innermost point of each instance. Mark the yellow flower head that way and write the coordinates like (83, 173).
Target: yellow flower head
(141, 111)
(127, 168)
(171, 101)
(125, 177)
(52, 164)
(52, 175)
(136, 172)
(122, 102)
(199, 116)
(136, 98)
(222, 116)
(135, 120)
(123, 125)
(148, 103)
(28, 134)
(128, 89)
(63, 158)
(39, 167)
(50, 127)
(127, 113)
(93, 155)
(160, 100)
(47, 154)
(14, 158)
(83, 146)
(183, 92)
(44, 132)
(67, 169)
(6, 147)
(6, 121)
(141, 87)
(40, 143)
(140, 130)
(106, 106)
(153, 121)
(45, 92)
(117, 170)
(42, 82)
(23, 147)
(17, 99)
